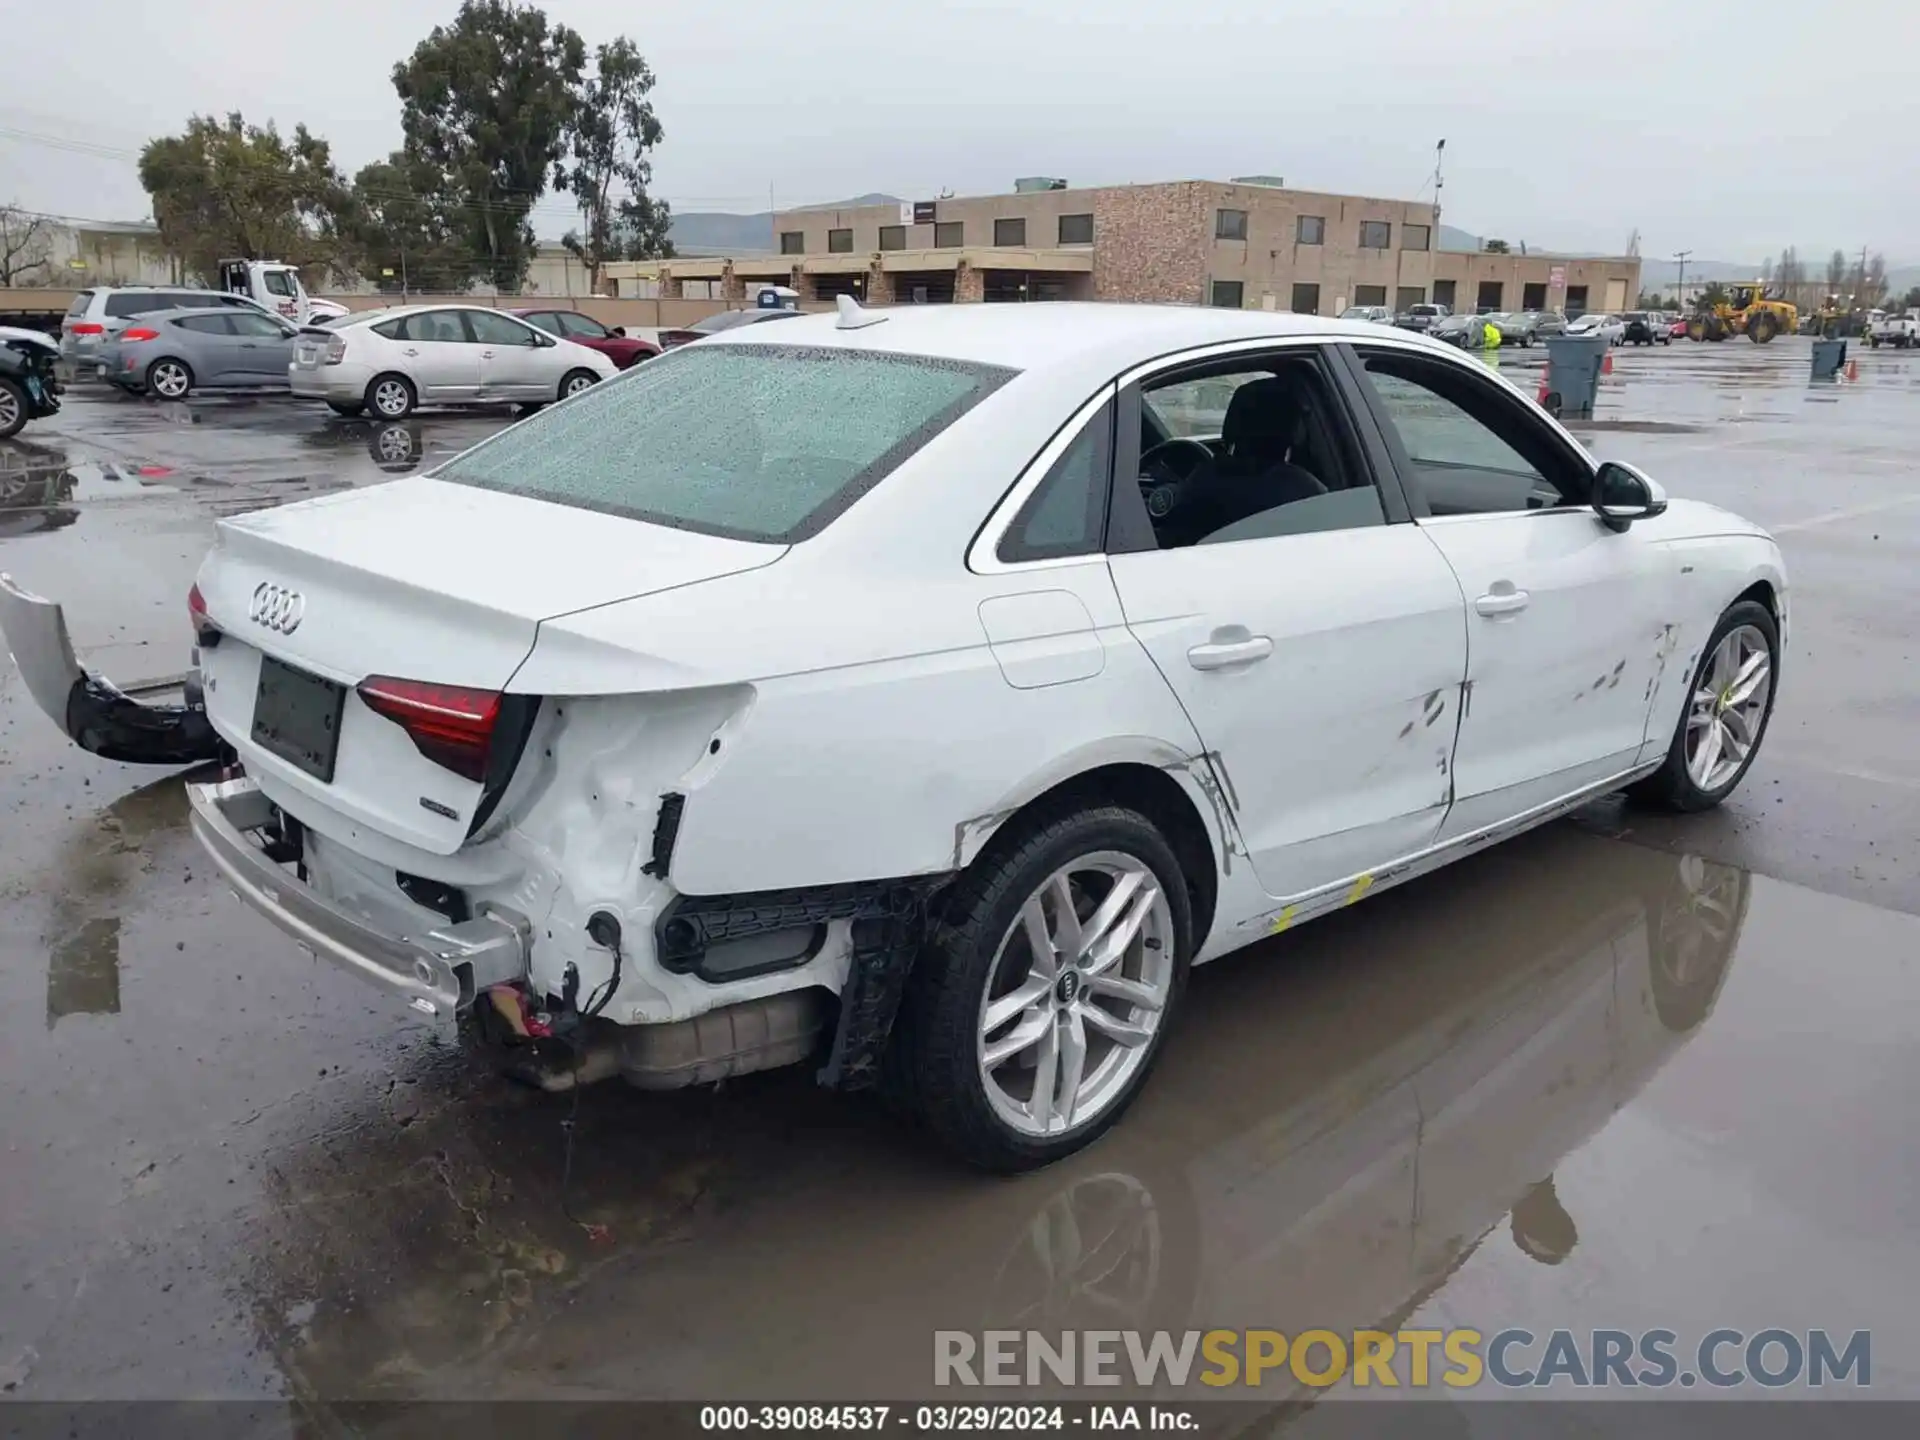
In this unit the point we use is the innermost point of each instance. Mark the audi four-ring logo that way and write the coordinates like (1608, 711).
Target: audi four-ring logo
(277, 608)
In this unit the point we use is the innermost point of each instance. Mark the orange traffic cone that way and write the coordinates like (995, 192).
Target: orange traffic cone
(1853, 369)
(1606, 363)
(1540, 396)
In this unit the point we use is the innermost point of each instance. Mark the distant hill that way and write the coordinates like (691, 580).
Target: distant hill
(716, 232)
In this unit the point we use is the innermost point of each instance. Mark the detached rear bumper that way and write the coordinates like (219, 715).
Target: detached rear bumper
(95, 713)
(436, 974)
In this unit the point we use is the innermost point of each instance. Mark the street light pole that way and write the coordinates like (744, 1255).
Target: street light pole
(1680, 285)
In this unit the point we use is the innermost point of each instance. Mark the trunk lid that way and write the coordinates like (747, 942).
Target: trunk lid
(420, 580)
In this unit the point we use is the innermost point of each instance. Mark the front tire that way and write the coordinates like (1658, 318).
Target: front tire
(1038, 1008)
(1728, 705)
(13, 409)
(169, 379)
(391, 397)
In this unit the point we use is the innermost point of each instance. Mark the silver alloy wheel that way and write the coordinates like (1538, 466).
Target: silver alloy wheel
(9, 409)
(170, 380)
(578, 383)
(390, 398)
(1075, 994)
(1728, 708)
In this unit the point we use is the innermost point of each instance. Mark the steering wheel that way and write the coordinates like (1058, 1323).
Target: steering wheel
(1162, 478)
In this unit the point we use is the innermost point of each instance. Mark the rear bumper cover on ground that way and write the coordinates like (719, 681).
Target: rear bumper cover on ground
(436, 974)
(98, 715)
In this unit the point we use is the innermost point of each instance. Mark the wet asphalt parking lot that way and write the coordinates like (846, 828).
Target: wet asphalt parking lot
(1628, 1071)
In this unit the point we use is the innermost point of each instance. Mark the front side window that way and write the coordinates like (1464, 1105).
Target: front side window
(1375, 234)
(1254, 448)
(1230, 225)
(257, 326)
(793, 242)
(755, 442)
(1471, 448)
(584, 327)
(277, 282)
(1067, 514)
(1010, 232)
(544, 320)
(490, 327)
(840, 242)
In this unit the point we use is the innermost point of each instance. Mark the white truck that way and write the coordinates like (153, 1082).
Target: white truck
(277, 287)
(1900, 331)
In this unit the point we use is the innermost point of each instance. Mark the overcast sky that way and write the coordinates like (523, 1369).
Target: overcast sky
(1723, 126)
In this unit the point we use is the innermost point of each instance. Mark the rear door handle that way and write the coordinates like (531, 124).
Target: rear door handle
(409, 352)
(1229, 649)
(1498, 601)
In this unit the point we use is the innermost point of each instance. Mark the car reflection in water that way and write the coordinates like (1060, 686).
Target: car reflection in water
(1346, 1117)
(35, 484)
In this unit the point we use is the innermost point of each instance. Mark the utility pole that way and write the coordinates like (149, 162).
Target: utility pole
(1680, 286)
(1439, 155)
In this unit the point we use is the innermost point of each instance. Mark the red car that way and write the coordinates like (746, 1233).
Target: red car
(623, 349)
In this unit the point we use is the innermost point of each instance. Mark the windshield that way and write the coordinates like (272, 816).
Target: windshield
(755, 442)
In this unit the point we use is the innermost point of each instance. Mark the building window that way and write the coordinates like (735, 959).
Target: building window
(1227, 293)
(1229, 224)
(840, 242)
(793, 242)
(1576, 300)
(949, 235)
(1076, 229)
(1491, 292)
(1443, 293)
(1533, 297)
(1306, 299)
(1010, 232)
(1408, 296)
(1310, 230)
(1375, 235)
(1370, 295)
(893, 237)
(1416, 237)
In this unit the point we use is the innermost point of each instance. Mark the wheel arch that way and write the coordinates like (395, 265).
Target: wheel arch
(1186, 797)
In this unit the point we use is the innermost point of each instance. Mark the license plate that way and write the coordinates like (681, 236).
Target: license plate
(306, 356)
(297, 717)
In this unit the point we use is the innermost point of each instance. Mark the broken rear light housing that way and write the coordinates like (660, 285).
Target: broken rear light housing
(451, 725)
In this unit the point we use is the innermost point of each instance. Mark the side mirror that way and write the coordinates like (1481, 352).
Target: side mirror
(619, 331)
(1622, 495)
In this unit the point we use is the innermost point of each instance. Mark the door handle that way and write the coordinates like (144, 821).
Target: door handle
(409, 352)
(1229, 646)
(1502, 599)
(486, 354)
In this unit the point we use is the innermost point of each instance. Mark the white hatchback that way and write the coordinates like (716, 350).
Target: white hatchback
(390, 361)
(923, 691)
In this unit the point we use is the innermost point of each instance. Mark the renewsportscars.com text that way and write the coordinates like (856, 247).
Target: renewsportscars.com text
(1458, 1359)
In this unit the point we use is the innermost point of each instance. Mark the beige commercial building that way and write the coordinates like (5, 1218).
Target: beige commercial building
(1247, 244)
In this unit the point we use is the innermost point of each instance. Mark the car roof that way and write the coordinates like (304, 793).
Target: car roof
(1027, 337)
(180, 311)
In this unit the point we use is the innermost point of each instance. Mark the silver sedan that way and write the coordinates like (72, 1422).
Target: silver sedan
(171, 353)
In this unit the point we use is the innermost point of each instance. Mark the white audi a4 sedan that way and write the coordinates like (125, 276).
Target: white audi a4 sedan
(391, 361)
(920, 693)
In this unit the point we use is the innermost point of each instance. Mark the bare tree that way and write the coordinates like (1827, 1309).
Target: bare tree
(26, 242)
(1836, 271)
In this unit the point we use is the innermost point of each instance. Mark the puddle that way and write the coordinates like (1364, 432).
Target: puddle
(83, 972)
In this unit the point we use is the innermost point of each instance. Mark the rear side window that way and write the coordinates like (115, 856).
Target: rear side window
(205, 324)
(754, 442)
(1067, 514)
(80, 303)
(123, 303)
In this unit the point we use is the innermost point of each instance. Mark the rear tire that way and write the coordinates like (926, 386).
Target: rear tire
(574, 381)
(340, 408)
(1683, 783)
(980, 950)
(391, 397)
(169, 379)
(1762, 327)
(13, 409)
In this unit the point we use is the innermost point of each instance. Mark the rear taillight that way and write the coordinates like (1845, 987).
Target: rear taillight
(87, 327)
(449, 724)
(139, 332)
(336, 350)
(204, 630)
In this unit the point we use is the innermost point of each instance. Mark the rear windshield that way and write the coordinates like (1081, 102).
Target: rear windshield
(754, 442)
(137, 302)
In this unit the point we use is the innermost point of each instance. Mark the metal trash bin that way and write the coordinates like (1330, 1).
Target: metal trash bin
(1572, 381)
(1829, 358)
